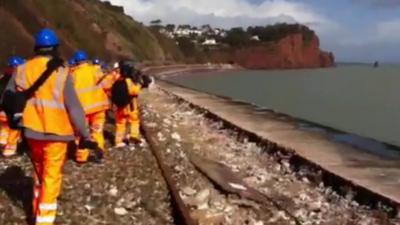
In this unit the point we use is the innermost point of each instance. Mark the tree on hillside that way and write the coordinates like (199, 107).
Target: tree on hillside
(156, 22)
(206, 27)
(185, 26)
(237, 37)
(170, 27)
(187, 46)
(279, 31)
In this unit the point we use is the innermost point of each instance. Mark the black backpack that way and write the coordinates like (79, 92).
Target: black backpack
(120, 94)
(4, 81)
(14, 102)
(146, 81)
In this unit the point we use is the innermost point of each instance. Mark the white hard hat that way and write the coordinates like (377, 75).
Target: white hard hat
(116, 65)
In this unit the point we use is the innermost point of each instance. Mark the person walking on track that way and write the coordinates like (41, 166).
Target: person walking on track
(49, 118)
(92, 98)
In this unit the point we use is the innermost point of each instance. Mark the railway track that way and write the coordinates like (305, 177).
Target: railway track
(182, 212)
(216, 177)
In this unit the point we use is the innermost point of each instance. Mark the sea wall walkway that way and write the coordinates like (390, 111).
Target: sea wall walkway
(377, 175)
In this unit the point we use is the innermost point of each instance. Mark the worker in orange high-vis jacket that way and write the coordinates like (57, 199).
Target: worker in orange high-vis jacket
(9, 138)
(124, 96)
(93, 99)
(52, 116)
(111, 76)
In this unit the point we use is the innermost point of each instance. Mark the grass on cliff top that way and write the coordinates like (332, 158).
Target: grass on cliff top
(75, 26)
(170, 47)
(80, 24)
(146, 44)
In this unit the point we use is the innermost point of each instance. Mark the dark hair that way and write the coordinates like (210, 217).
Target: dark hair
(127, 68)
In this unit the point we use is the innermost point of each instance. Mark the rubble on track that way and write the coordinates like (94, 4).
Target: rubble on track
(126, 189)
(192, 132)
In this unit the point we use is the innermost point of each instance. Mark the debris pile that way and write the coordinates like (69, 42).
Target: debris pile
(193, 133)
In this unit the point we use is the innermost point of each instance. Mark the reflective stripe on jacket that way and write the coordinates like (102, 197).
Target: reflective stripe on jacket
(91, 95)
(45, 112)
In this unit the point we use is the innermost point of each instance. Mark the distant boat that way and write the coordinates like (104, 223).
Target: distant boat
(376, 64)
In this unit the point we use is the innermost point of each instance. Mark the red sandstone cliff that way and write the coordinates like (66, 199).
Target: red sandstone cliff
(288, 53)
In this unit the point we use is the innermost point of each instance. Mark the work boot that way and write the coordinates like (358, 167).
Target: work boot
(9, 153)
(96, 156)
(82, 156)
(135, 141)
(10, 156)
(31, 220)
(121, 145)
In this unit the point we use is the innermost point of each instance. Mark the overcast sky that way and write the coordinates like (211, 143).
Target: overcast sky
(355, 30)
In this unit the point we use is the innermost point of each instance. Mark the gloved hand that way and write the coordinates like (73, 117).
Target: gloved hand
(88, 144)
(97, 153)
(135, 78)
(54, 63)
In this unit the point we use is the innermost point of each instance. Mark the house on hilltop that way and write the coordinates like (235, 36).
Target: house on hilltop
(210, 42)
(187, 30)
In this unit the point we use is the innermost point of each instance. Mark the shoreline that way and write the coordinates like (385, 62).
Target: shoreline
(357, 140)
(162, 72)
(381, 148)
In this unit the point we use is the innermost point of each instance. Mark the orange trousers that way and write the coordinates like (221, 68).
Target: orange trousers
(48, 158)
(96, 122)
(9, 139)
(123, 118)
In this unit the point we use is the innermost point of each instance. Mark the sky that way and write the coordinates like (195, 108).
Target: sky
(354, 30)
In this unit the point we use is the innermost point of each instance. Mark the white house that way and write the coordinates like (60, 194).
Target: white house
(185, 32)
(196, 32)
(220, 32)
(182, 32)
(167, 33)
(210, 42)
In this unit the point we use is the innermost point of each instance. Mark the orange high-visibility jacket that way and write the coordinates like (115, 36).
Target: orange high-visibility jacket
(134, 89)
(109, 80)
(98, 70)
(45, 111)
(91, 95)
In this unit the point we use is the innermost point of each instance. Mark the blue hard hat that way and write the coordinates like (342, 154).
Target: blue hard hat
(104, 66)
(80, 56)
(15, 61)
(71, 61)
(96, 61)
(46, 38)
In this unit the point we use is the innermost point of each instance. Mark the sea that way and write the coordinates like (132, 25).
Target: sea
(355, 99)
